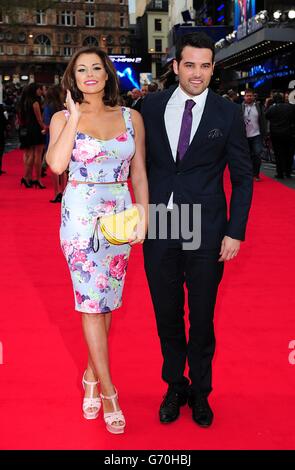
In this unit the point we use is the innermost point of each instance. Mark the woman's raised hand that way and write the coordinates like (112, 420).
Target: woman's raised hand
(72, 107)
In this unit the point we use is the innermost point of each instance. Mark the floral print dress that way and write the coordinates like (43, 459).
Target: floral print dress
(98, 278)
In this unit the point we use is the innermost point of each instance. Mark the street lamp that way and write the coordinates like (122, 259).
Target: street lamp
(284, 16)
(261, 17)
(277, 14)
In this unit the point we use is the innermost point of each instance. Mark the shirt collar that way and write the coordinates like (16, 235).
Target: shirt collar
(182, 96)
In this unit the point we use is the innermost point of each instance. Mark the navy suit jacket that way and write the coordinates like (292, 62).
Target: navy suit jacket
(219, 141)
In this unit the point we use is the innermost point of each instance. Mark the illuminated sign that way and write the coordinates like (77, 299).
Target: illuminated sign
(128, 70)
(125, 60)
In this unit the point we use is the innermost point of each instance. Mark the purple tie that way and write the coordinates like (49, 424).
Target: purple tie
(185, 130)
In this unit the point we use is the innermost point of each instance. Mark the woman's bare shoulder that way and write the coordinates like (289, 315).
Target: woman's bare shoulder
(135, 116)
(60, 116)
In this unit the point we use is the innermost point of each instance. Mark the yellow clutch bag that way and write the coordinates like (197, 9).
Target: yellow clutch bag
(118, 228)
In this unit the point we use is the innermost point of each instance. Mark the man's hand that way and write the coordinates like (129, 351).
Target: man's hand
(229, 248)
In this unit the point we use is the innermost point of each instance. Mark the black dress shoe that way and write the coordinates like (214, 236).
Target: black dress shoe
(57, 198)
(201, 411)
(170, 406)
(37, 184)
(27, 183)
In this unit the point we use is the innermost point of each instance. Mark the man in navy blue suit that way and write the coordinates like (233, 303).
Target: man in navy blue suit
(192, 135)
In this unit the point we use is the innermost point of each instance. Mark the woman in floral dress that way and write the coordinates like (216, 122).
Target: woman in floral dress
(100, 142)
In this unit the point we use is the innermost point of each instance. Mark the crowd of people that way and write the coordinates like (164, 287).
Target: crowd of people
(269, 124)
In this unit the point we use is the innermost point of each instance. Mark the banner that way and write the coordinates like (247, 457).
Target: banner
(244, 9)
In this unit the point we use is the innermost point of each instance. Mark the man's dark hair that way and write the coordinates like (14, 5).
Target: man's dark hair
(249, 91)
(198, 40)
(278, 98)
(152, 87)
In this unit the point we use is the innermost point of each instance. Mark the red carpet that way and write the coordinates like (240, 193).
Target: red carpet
(44, 353)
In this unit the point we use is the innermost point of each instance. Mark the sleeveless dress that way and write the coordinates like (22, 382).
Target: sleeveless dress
(33, 135)
(98, 278)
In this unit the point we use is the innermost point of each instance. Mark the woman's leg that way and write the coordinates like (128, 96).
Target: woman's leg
(28, 163)
(90, 374)
(55, 181)
(1, 159)
(38, 149)
(62, 182)
(95, 329)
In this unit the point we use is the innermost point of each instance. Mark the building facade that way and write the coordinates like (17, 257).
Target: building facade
(260, 52)
(37, 44)
(151, 36)
(176, 8)
(157, 27)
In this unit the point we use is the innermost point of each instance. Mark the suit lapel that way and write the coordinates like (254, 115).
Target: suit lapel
(162, 107)
(203, 126)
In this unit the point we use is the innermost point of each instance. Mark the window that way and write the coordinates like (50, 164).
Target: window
(67, 38)
(22, 37)
(1, 50)
(40, 17)
(9, 50)
(109, 40)
(67, 18)
(158, 4)
(3, 17)
(123, 50)
(42, 45)
(158, 45)
(158, 24)
(89, 19)
(122, 20)
(159, 70)
(22, 50)
(66, 51)
(122, 2)
(122, 40)
(90, 41)
(89, 1)
(110, 50)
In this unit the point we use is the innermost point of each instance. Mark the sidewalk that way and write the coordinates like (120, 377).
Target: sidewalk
(269, 169)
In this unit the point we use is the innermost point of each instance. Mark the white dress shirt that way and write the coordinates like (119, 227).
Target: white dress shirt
(173, 118)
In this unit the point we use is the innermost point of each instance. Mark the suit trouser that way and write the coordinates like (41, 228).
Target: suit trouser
(282, 146)
(255, 147)
(168, 267)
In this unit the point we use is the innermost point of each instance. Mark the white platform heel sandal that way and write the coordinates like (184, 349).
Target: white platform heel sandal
(114, 417)
(91, 402)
